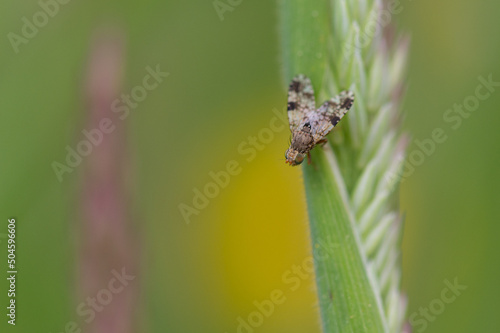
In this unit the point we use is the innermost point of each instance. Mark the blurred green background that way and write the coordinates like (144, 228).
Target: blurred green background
(224, 82)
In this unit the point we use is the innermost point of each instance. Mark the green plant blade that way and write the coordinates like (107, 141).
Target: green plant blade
(346, 297)
(351, 185)
(305, 50)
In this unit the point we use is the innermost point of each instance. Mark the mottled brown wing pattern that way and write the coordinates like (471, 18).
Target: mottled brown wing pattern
(330, 113)
(309, 125)
(300, 100)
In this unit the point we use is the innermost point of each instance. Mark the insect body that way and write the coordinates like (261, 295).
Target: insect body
(309, 125)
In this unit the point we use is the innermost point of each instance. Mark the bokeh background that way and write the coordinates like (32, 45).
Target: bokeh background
(224, 82)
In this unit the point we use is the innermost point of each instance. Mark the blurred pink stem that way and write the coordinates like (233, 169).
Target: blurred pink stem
(107, 241)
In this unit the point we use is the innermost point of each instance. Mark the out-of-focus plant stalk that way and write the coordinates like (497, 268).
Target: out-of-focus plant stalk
(107, 240)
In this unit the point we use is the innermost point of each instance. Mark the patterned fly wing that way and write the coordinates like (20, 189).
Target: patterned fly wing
(309, 125)
(300, 100)
(329, 114)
